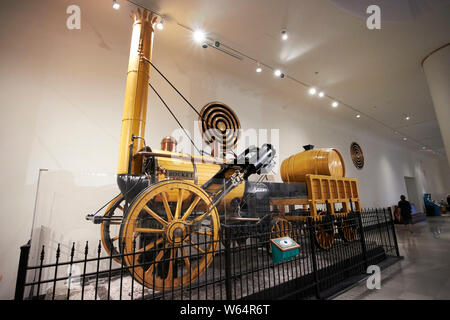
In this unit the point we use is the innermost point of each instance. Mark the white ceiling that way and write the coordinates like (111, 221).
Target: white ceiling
(378, 72)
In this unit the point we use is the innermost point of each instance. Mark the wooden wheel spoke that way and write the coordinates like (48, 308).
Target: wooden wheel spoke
(196, 247)
(149, 230)
(186, 259)
(170, 272)
(191, 208)
(148, 274)
(200, 218)
(179, 203)
(155, 216)
(209, 233)
(150, 245)
(166, 206)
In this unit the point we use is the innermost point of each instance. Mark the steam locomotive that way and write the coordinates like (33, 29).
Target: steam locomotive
(169, 200)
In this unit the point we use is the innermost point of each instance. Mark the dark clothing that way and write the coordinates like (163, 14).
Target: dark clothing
(405, 208)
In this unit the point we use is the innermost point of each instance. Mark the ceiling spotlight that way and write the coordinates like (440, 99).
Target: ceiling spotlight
(321, 94)
(116, 5)
(404, 138)
(199, 36)
(334, 104)
(277, 72)
(407, 117)
(358, 116)
(160, 24)
(423, 148)
(312, 91)
(204, 45)
(258, 68)
(284, 35)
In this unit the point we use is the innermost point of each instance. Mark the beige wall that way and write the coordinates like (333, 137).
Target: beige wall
(61, 100)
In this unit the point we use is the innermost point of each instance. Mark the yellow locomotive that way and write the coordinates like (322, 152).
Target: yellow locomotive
(169, 200)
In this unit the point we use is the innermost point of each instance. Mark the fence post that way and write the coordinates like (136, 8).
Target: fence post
(228, 280)
(22, 271)
(363, 240)
(313, 257)
(379, 227)
(393, 232)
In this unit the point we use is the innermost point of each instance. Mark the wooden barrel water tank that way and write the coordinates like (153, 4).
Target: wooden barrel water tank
(324, 161)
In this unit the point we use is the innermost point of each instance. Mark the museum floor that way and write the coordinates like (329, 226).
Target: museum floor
(424, 273)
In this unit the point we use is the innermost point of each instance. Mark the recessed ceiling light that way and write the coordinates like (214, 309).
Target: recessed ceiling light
(116, 5)
(358, 116)
(284, 35)
(334, 104)
(277, 72)
(199, 36)
(160, 25)
(407, 117)
(312, 91)
(423, 148)
(258, 69)
(321, 94)
(404, 138)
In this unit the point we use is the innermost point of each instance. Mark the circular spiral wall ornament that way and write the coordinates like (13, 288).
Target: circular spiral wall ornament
(220, 124)
(357, 155)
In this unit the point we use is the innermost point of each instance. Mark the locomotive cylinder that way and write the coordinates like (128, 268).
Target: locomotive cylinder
(326, 161)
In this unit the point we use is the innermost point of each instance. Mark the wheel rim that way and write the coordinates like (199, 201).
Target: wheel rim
(348, 230)
(280, 227)
(110, 230)
(324, 233)
(172, 245)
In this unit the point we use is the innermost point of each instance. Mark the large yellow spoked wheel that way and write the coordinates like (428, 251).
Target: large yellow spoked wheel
(348, 228)
(110, 229)
(168, 237)
(324, 232)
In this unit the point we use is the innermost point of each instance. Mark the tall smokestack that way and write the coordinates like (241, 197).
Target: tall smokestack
(136, 92)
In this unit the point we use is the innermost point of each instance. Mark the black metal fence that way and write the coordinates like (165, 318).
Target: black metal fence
(239, 264)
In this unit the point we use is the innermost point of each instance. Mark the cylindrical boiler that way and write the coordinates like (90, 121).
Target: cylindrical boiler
(324, 161)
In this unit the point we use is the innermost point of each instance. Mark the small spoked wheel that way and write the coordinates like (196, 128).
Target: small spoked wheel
(168, 236)
(324, 232)
(280, 227)
(348, 228)
(110, 228)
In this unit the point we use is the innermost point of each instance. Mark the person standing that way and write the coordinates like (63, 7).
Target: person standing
(405, 208)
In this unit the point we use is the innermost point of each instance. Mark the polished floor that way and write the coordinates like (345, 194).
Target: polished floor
(423, 274)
